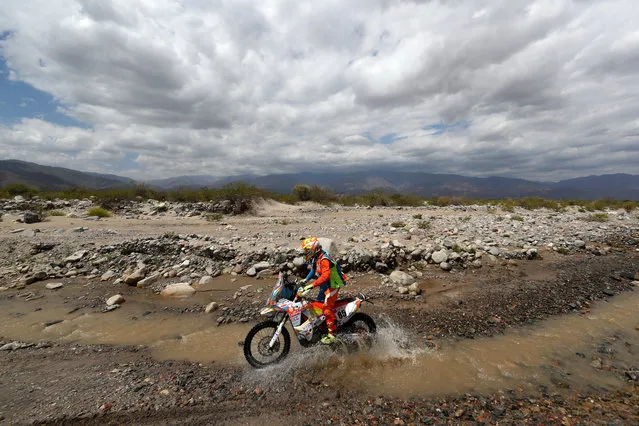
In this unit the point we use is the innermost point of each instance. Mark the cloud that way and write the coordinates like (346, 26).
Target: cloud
(542, 89)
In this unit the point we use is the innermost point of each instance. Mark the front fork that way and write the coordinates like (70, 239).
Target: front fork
(277, 333)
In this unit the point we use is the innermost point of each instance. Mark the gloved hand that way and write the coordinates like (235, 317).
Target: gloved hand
(304, 291)
(303, 281)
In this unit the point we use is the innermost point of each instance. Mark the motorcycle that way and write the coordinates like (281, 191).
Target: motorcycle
(269, 342)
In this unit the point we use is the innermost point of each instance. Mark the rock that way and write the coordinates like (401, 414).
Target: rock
(178, 290)
(107, 275)
(40, 275)
(414, 288)
(206, 280)
(608, 292)
(439, 256)
(211, 307)
(16, 231)
(53, 286)
(446, 266)
(110, 308)
(328, 246)
(261, 266)
(251, 272)
(494, 251)
(401, 278)
(28, 280)
(151, 279)
(118, 299)
(579, 243)
(381, 267)
(31, 217)
(76, 256)
(477, 263)
(402, 290)
(136, 276)
(13, 346)
(80, 229)
(298, 261)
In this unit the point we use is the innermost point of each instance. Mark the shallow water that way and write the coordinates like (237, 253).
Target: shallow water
(544, 354)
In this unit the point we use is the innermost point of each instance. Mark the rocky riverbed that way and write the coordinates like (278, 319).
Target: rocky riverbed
(439, 274)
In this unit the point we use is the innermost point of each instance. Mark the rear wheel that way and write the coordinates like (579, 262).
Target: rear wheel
(256, 345)
(359, 331)
(360, 323)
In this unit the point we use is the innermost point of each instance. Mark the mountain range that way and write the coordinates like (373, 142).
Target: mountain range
(616, 186)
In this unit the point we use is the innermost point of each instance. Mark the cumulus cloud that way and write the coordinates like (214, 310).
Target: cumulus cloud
(545, 89)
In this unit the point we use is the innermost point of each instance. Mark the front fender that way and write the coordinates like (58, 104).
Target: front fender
(268, 311)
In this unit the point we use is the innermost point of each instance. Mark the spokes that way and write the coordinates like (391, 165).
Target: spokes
(260, 345)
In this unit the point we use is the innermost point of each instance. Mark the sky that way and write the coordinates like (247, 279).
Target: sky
(535, 89)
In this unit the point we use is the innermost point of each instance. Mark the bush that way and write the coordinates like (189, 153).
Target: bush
(213, 217)
(20, 189)
(302, 192)
(597, 217)
(424, 224)
(55, 213)
(398, 225)
(417, 216)
(99, 212)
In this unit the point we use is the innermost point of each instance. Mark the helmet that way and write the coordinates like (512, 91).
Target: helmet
(311, 247)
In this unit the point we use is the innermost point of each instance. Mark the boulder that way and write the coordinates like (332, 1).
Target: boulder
(401, 278)
(414, 288)
(328, 245)
(402, 290)
(76, 256)
(439, 256)
(143, 283)
(107, 275)
(261, 266)
(178, 290)
(118, 299)
(446, 266)
(31, 217)
(251, 272)
(53, 286)
(135, 277)
(206, 280)
(211, 307)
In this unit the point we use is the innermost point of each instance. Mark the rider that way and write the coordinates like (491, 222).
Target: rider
(330, 279)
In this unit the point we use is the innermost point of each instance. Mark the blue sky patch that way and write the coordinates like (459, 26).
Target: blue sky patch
(441, 128)
(19, 100)
(128, 162)
(386, 139)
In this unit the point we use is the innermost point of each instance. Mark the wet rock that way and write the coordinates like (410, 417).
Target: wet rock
(76, 256)
(178, 290)
(53, 286)
(401, 278)
(118, 299)
(110, 308)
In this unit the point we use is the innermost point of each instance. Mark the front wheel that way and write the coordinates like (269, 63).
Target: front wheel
(360, 323)
(256, 345)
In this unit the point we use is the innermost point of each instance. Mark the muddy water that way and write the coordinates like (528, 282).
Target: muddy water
(558, 353)
(142, 320)
(545, 354)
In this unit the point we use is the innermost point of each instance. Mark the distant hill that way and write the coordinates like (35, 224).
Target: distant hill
(56, 178)
(617, 186)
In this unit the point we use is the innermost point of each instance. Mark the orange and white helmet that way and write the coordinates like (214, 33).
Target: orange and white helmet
(311, 247)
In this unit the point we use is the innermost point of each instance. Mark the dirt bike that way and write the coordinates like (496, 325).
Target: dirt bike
(269, 342)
